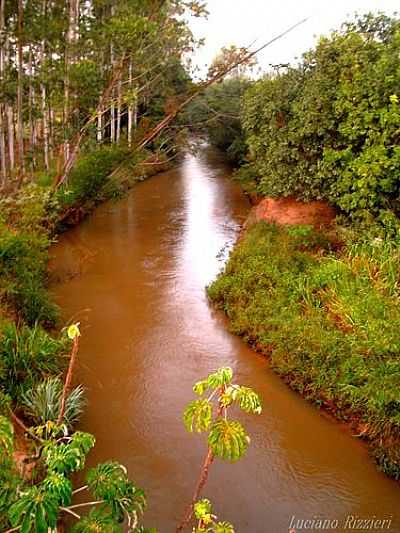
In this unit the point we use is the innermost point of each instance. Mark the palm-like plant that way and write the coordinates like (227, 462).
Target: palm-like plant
(43, 402)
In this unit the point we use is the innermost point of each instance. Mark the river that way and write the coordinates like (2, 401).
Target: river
(134, 275)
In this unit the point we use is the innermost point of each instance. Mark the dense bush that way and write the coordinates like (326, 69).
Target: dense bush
(27, 356)
(23, 264)
(217, 114)
(90, 174)
(330, 128)
(329, 322)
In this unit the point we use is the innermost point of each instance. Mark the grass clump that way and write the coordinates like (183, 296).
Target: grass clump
(27, 356)
(329, 321)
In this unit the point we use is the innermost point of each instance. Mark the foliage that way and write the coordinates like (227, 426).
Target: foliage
(23, 264)
(207, 521)
(37, 507)
(90, 175)
(9, 479)
(329, 128)
(227, 438)
(42, 403)
(329, 321)
(217, 114)
(35, 510)
(27, 355)
(109, 482)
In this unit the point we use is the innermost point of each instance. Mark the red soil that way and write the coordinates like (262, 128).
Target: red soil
(292, 211)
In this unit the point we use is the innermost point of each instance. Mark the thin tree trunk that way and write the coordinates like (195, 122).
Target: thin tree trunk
(31, 106)
(130, 107)
(20, 88)
(45, 127)
(72, 34)
(112, 106)
(44, 108)
(3, 163)
(119, 110)
(68, 379)
(51, 132)
(10, 136)
(100, 123)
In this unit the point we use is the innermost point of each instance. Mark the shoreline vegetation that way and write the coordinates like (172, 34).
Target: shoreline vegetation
(87, 113)
(322, 303)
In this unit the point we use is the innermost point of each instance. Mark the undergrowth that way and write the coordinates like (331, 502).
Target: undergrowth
(328, 316)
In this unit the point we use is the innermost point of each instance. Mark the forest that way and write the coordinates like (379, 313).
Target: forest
(97, 96)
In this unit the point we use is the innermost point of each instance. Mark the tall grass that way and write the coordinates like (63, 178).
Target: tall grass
(27, 356)
(330, 321)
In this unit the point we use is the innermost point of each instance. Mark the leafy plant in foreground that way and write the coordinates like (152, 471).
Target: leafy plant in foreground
(227, 439)
(35, 504)
(207, 521)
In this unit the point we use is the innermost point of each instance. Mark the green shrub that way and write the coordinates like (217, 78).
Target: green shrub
(23, 264)
(90, 174)
(27, 356)
(329, 127)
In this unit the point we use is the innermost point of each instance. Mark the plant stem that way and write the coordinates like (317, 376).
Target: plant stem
(77, 505)
(23, 426)
(67, 510)
(79, 490)
(68, 378)
(200, 484)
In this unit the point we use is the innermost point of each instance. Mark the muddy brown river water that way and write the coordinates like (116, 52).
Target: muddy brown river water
(134, 275)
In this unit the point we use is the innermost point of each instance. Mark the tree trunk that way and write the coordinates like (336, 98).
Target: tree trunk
(45, 127)
(130, 108)
(72, 35)
(20, 88)
(31, 106)
(119, 110)
(43, 93)
(10, 136)
(3, 163)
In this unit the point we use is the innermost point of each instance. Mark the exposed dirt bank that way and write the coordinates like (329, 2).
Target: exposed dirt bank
(291, 211)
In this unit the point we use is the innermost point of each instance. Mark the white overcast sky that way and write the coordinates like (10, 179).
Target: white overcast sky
(241, 22)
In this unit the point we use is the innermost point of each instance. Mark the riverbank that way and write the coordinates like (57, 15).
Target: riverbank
(322, 305)
(31, 220)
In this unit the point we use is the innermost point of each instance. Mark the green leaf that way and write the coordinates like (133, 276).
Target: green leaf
(222, 376)
(203, 511)
(249, 401)
(109, 482)
(36, 510)
(97, 521)
(197, 416)
(59, 487)
(224, 527)
(200, 387)
(228, 440)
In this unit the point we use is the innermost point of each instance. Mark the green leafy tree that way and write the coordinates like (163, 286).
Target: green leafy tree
(329, 128)
(227, 439)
